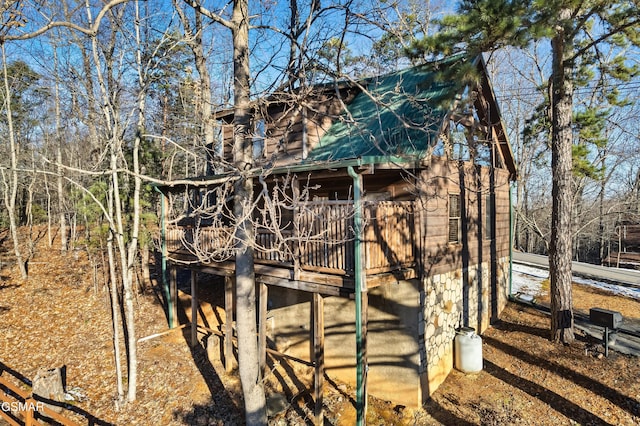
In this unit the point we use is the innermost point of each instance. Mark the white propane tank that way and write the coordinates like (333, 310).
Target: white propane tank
(468, 350)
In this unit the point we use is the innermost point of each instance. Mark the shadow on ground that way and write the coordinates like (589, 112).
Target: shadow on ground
(223, 404)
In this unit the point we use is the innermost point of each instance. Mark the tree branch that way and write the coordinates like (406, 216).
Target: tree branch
(209, 14)
(91, 31)
(602, 38)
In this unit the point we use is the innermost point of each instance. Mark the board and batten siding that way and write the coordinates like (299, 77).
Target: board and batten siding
(472, 184)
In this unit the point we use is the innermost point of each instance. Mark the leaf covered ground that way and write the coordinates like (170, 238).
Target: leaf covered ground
(61, 317)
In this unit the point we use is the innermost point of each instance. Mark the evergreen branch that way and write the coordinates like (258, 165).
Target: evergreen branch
(602, 38)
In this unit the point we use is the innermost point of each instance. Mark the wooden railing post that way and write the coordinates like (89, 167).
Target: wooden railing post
(194, 308)
(29, 414)
(228, 323)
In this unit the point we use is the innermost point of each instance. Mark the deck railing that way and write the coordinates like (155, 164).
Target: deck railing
(389, 235)
(327, 239)
(320, 238)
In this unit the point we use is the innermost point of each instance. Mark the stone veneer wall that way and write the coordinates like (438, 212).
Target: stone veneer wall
(448, 301)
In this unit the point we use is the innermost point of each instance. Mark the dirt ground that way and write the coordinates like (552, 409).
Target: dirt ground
(61, 317)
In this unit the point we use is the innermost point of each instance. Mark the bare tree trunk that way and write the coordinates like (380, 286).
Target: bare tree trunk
(61, 196)
(601, 236)
(92, 114)
(144, 265)
(135, 229)
(60, 187)
(11, 182)
(29, 212)
(49, 230)
(577, 210)
(205, 86)
(561, 165)
(116, 213)
(132, 371)
(193, 39)
(636, 193)
(115, 311)
(254, 398)
(248, 356)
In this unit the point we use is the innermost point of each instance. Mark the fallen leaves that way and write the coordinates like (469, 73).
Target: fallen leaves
(60, 317)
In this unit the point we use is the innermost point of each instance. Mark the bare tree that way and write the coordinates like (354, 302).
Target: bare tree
(59, 145)
(10, 177)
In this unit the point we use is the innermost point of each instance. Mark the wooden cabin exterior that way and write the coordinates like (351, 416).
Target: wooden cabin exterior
(430, 167)
(627, 242)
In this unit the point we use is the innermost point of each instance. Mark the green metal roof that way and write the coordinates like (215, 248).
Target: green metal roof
(397, 114)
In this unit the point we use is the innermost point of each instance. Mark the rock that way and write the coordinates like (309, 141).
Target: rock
(75, 394)
(276, 403)
(48, 385)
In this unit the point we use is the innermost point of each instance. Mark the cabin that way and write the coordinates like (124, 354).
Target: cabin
(382, 224)
(627, 241)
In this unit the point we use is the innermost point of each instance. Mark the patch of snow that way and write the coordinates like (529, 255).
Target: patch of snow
(620, 290)
(528, 280)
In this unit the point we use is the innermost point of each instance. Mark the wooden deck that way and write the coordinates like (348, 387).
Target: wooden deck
(629, 260)
(315, 252)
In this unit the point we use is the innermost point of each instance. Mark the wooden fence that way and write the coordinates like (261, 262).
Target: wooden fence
(19, 408)
(327, 233)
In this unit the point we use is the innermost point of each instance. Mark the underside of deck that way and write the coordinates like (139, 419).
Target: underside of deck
(286, 276)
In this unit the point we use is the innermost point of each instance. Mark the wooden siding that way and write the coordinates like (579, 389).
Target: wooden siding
(389, 235)
(284, 124)
(473, 184)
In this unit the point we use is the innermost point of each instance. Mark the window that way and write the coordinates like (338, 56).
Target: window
(459, 143)
(454, 218)
(488, 217)
(258, 139)
(218, 140)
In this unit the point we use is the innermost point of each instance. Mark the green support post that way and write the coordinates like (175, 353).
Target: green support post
(359, 284)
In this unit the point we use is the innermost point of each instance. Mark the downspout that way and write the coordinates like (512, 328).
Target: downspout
(163, 242)
(510, 240)
(359, 284)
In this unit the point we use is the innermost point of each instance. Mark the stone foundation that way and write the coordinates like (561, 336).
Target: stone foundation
(451, 300)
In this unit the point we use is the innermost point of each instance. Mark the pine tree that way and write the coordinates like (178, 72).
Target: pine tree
(577, 32)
